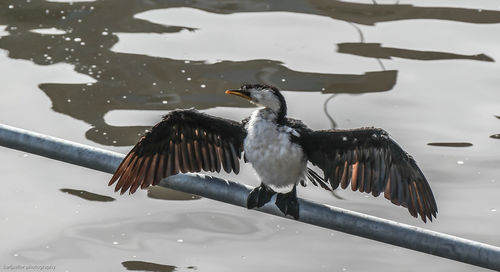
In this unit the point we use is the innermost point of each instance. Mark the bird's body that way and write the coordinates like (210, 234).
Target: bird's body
(277, 160)
(279, 148)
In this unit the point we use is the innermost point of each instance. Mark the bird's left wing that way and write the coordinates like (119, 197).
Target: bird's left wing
(371, 162)
(184, 141)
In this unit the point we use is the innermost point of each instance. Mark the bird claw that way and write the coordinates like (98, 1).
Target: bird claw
(259, 196)
(288, 203)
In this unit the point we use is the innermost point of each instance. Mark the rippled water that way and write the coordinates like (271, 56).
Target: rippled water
(102, 72)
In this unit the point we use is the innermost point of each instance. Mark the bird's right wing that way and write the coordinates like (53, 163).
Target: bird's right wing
(371, 162)
(184, 141)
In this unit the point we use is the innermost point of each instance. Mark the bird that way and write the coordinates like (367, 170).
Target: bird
(279, 149)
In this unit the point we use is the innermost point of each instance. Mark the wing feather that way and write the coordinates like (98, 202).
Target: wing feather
(159, 171)
(197, 154)
(354, 176)
(371, 162)
(178, 166)
(184, 141)
(127, 173)
(236, 159)
(171, 170)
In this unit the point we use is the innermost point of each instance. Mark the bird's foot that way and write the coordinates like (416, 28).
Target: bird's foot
(288, 203)
(259, 196)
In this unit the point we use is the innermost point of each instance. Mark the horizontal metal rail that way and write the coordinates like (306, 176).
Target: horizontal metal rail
(363, 225)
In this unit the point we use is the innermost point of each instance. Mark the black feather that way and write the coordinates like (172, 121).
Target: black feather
(372, 159)
(186, 141)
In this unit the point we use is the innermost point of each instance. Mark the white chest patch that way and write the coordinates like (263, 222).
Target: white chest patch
(277, 160)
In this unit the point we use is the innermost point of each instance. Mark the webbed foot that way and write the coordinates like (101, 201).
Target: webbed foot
(259, 196)
(288, 203)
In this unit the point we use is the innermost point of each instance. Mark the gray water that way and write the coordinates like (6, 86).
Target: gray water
(102, 72)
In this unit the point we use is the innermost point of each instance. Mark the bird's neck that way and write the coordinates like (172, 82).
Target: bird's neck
(281, 115)
(272, 115)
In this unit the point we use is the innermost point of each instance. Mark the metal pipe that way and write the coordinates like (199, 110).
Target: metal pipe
(59, 149)
(367, 226)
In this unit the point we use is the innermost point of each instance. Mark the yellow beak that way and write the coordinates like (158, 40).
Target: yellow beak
(240, 93)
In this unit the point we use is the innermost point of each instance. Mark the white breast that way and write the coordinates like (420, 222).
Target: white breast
(277, 160)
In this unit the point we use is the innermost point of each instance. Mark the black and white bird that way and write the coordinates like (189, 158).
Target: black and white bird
(279, 148)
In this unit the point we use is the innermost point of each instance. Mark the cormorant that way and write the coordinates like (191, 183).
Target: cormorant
(278, 148)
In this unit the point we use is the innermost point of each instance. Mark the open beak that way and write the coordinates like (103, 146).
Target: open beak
(241, 93)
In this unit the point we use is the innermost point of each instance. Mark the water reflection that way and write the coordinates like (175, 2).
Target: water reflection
(157, 192)
(450, 144)
(369, 14)
(328, 115)
(130, 81)
(87, 195)
(184, 94)
(376, 50)
(81, 33)
(148, 266)
(496, 136)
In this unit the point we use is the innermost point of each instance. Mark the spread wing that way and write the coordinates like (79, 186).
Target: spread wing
(370, 162)
(184, 141)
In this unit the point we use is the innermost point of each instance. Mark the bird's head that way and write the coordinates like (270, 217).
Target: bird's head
(263, 95)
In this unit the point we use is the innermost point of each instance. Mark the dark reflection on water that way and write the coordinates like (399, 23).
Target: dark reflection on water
(376, 50)
(87, 195)
(450, 144)
(171, 86)
(157, 192)
(496, 136)
(369, 14)
(148, 266)
(128, 81)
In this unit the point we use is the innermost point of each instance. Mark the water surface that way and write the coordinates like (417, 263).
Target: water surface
(102, 72)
